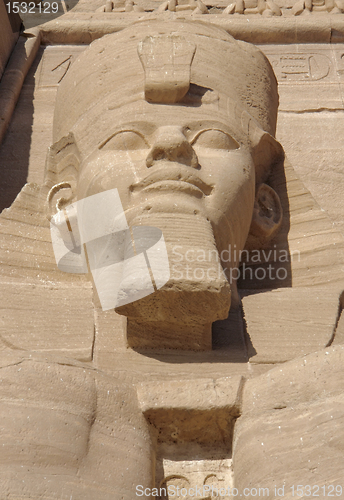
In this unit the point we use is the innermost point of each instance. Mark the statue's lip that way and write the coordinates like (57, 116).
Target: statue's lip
(175, 176)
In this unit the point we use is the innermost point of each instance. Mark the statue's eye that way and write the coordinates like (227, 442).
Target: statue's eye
(125, 141)
(215, 139)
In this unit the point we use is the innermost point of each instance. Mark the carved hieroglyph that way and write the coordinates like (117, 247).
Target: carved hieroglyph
(265, 8)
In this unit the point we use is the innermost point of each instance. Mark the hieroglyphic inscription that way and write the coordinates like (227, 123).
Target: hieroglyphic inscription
(309, 67)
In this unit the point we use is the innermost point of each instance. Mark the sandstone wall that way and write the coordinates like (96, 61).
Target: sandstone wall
(9, 32)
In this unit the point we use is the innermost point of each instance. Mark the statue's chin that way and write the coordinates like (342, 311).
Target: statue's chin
(195, 294)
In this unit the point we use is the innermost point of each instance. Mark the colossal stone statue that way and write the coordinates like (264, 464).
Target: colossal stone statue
(188, 150)
(180, 119)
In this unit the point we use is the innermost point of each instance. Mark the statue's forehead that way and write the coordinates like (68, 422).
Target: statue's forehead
(147, 119)
(152, 116)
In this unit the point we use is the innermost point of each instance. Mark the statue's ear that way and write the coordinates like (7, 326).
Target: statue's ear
(266, 152)
(267, 217)
(61, 173)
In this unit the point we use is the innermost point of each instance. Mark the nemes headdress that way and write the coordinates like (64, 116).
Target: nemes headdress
(170, 63)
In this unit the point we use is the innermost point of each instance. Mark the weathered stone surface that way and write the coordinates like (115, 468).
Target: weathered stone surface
(79, 431)
(193, 423)
(317, 159)
(26, 319)
(202, 395)
(58, 432)
(39, 313)
(290, 431)
(9, 32)
(301, 321)
(31, 123)
(339, 331)
(13, 77)
(211, 406)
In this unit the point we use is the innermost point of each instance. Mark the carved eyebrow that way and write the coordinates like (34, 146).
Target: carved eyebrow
(193, 130)
(121, 130)
(195, 137)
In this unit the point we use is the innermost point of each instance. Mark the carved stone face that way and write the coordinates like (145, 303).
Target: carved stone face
(179, 160)
(169, 116)
(181, 123)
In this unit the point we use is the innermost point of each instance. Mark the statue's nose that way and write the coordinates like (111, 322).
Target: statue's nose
(172, 145)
